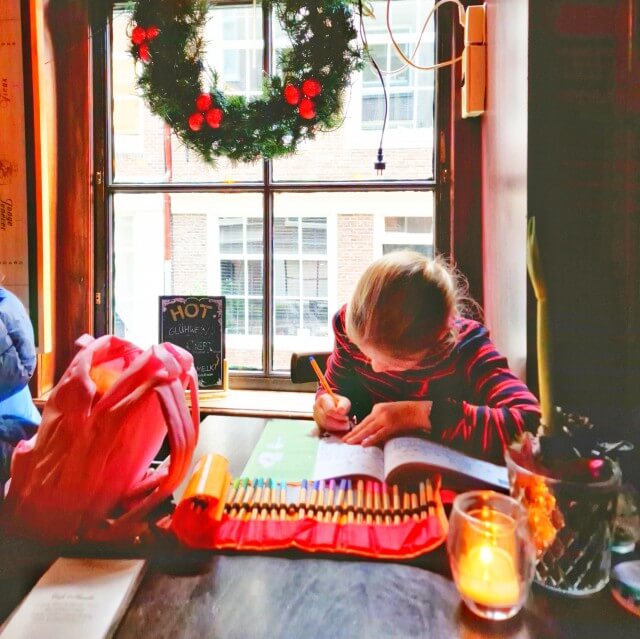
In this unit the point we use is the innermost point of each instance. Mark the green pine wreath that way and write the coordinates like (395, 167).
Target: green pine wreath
(166, 40)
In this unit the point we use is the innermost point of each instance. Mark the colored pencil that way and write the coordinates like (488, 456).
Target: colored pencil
(266, 500)
(323, 380)
(414, 506)
(248, 499)
(339, 501)
(431, 508)
(368, 503)
(424, 505)
(386, 506)
(349, 502)
(283, 501)
(376, 501)
(257, 499)
(302, 498)
(396, 504)
(359, 500)
(406, 506)
(239, 496)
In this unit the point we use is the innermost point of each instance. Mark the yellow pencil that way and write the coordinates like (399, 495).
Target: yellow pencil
(323, 380)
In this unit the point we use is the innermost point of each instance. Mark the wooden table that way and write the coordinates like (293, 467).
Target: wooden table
(203, 595)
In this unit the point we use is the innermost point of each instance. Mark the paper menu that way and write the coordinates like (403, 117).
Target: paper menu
(76, 599)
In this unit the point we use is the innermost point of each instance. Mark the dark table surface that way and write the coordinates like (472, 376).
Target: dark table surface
(187, 594)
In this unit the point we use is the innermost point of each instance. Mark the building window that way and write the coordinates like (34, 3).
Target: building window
(300, 228)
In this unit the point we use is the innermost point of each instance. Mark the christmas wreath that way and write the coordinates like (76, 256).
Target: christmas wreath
(166, 40)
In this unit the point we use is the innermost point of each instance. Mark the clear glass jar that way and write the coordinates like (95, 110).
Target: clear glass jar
(491, 553)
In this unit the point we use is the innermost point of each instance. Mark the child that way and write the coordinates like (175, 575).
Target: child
(405, 359)
(19, 417)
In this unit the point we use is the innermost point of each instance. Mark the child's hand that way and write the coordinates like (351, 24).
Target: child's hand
(331, 417)
(389, 418)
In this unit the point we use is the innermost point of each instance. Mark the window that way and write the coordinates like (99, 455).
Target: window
(284, 241)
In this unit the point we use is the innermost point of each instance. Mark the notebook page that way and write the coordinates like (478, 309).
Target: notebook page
(337, 459)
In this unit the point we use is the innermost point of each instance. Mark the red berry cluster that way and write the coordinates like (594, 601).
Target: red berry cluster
(302, 97)
(141, 38)
(205, 112)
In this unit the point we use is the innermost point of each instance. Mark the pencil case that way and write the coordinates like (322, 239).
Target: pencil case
(208, 517)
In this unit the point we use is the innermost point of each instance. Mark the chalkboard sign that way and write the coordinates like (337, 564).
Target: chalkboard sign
(196, 323)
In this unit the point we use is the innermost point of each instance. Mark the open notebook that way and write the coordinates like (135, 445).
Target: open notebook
(291, 450)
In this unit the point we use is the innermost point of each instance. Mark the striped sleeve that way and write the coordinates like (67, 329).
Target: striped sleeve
(499, 405)
(340, 370)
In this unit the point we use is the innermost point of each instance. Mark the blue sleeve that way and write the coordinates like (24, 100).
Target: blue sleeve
(14, 372)
(12, 430)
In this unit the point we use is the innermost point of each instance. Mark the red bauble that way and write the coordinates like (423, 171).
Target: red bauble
(204, 102)
(307, 109)
(291, 94)
(213, 118)
(311, 88)
(152, 32)
(138, 35)
(196, 120)
(143, 52)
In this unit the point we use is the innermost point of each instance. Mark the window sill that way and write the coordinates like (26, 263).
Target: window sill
(260, 403)
(248, 403)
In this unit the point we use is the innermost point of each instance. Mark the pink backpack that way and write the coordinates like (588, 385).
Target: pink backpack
(85, 475)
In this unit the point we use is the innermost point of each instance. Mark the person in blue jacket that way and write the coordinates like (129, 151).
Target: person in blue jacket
(19, 418)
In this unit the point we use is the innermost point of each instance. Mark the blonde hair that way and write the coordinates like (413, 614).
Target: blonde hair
(404, 303)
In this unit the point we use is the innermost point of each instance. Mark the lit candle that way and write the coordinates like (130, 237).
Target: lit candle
(487, 576)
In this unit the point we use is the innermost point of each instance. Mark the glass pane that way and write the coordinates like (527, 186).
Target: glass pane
(285, 234)
(254, 235)
(144, 148)
(315, 318)
(170, 244)
(425, 249)
(287, 318)
(232, 277)
(356, 231)
(235, 316)
(255, 317)
(231, 235)
(286, 278)
(314, 235)
(255, 277)
(314, 278)
(348, 152)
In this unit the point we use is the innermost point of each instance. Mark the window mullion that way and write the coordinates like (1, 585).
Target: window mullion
(267, 271)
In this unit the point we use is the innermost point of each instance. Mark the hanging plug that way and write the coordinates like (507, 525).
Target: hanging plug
(379, 166)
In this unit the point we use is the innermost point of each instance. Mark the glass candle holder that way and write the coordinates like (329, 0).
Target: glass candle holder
(491, 553)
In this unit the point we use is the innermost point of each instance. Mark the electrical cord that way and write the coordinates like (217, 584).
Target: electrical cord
(409, 61)
(379, 165)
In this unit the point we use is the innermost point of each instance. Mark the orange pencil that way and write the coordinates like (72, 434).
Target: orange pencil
(431, 509)
(385, 503)
(406, 506)
(368, 502)
(359, 501)
(396, 504)
(322, 379)
(423, 500)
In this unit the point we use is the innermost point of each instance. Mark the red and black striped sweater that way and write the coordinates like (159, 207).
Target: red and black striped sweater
(479, 405)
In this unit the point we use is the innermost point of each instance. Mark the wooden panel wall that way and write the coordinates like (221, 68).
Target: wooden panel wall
(584, 189)
(67, 21)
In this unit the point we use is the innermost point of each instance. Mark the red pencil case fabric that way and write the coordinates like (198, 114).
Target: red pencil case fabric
(201, 521)
(383, 541)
